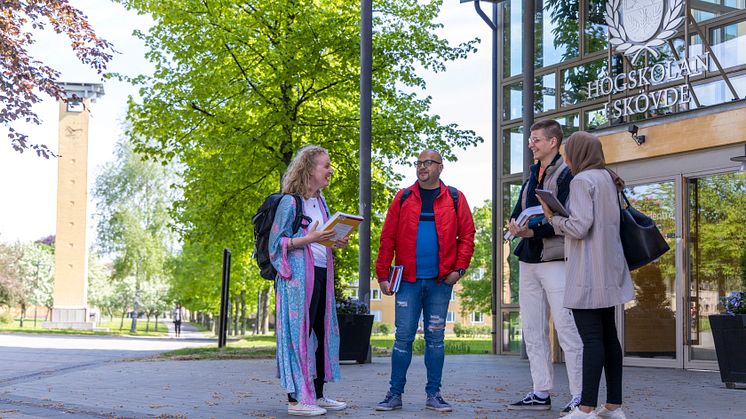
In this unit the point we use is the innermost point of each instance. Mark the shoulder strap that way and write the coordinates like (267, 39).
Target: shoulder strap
(454, 196)
(563, 175)
(299, 217)
(563, 193)
(404, 195)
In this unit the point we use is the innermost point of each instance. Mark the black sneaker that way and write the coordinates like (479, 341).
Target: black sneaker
(390, 402)
(570, 406)
(532, 402)
(436, 402)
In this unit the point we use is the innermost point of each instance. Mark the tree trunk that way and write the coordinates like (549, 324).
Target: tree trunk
(265, 311)
(228, 317)
(23, 313)
(156, 322)
(236, 316)
(243, 313)
(147, 323)
(133, 328)
(121, 323)
(258, 317)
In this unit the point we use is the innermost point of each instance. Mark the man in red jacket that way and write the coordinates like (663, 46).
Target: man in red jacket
(429, 231)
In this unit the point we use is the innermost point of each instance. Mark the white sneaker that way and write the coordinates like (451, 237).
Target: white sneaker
(330, 404)
(579, 414)
(603, 412)
(300, 409)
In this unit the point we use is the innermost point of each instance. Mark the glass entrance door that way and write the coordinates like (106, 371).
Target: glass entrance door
(649, 321)
(716, 253)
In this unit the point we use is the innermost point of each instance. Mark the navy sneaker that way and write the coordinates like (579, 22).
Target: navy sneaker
(390, 402)
(570, 406)
(532, 402)
(436, 402)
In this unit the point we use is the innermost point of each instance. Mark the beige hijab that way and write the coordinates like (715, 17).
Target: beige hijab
(584, 152)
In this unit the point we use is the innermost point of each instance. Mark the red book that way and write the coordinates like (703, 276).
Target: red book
(395, 273)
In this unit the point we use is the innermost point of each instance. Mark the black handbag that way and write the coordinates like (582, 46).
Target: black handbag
(641, 240)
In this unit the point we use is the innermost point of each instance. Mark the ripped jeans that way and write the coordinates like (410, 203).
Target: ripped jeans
(428, 298)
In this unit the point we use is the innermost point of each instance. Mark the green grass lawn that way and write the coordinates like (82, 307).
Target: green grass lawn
(113, 326)
(263, 346)
(453, 345)
(249, 347)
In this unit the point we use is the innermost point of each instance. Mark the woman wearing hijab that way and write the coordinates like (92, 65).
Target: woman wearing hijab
(598, 278)
(307, 330)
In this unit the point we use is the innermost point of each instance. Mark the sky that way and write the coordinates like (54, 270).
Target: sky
(460, 95)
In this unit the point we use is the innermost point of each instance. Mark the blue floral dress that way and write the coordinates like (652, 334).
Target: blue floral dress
(296, 348)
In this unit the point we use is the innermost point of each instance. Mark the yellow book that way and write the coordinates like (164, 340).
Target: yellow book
(343, 224)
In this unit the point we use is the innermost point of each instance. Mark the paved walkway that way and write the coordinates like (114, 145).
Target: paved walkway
(94, 377)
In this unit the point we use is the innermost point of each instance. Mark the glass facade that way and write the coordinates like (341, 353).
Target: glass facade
(513, 149)
(728, 43)
(649, 319)
(716, 254)
(571, 53)
(512, 336)
(511, 194)
(709, 9)
(556, 32)
(595, 27)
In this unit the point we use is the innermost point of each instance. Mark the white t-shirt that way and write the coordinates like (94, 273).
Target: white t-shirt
(312, 209)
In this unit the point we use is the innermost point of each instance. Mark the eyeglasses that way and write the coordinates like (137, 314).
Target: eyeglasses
(534, 140)
(426, 163)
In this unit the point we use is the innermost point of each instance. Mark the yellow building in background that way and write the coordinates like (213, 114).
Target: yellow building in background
(382, 307)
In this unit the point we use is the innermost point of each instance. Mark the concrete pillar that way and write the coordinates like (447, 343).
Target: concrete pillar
(70, 309)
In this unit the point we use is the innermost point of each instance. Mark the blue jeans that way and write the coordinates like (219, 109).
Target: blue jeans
(429, 298)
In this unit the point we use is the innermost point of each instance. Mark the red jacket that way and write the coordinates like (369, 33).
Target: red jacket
(399, 235)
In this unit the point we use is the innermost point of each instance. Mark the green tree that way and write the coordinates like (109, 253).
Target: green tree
(124, 296)
(10, 273)
(36, 274)
(239, 86)
(133, 199)
(476, 288)
(22, 76)
(155, 300)
(101, 286)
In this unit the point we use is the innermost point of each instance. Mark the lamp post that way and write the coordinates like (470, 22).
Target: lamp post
(366, 80)
(492, 23)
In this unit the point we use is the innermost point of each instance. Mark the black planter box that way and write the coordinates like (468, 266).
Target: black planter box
(729, 334)
(354, 336)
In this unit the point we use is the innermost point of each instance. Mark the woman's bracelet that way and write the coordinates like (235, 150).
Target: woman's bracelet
(291, 243)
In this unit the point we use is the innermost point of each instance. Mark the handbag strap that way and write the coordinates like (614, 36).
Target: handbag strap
(623, 197)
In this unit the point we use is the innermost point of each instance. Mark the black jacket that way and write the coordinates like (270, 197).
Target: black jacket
(529, 249)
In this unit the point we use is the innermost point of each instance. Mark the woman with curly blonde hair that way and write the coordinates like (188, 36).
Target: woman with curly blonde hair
(307, 330)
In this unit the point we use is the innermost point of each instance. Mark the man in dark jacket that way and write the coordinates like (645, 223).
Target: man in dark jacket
(542, 274)
(429, 231)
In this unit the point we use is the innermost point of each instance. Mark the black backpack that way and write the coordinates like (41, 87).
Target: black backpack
(262, 221)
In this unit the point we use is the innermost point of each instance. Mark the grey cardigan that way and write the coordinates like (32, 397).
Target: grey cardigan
(597, 275)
